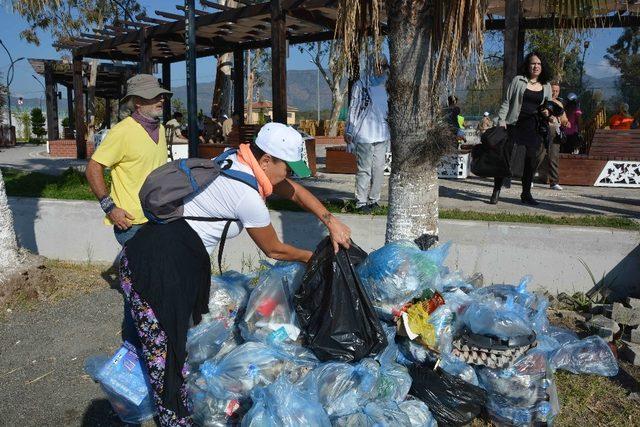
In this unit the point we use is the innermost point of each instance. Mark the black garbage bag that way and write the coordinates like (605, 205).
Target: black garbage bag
(451, 400)
(337, 318)
(493, 157)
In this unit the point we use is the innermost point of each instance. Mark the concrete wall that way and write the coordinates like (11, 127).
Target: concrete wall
(502, 252)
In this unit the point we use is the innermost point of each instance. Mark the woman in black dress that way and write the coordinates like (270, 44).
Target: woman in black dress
(526, 123)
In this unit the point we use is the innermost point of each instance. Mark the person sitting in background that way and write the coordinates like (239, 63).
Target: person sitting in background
(227, 125)
(484, 124)
(174, 126)
(623, 120)
(573, 112)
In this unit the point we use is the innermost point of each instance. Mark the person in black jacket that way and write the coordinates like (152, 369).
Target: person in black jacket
(522, 115)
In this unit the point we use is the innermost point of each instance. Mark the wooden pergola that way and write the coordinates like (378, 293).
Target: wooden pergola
(171, 37)
(110, 82)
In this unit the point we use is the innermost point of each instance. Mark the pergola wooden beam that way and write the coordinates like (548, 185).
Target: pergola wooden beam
(81, 144)
(215, 5)
(231, 15)
(613, 21)
(169, 15)
(52, 102)
(198, 12)
(151, 20)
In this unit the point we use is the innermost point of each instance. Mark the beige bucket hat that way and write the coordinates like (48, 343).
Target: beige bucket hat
(145, 86)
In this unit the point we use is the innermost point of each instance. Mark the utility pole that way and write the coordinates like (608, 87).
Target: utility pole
(9, 79)
(584, 53)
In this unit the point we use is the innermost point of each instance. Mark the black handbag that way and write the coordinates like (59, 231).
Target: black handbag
(492, 158)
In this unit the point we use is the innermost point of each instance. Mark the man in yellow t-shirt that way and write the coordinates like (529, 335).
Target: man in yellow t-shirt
(132, 149)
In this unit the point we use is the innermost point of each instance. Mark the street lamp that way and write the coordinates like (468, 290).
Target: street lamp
(43, 88)
(584, 53)
(9, 79)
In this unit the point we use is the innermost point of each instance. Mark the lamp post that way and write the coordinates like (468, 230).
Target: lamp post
(584, 53)
(9, 79)
(41, 84)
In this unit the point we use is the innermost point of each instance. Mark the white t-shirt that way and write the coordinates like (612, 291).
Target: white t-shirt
(226, 198)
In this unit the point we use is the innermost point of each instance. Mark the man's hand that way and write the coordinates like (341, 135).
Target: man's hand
(120, 218)
(340, 234)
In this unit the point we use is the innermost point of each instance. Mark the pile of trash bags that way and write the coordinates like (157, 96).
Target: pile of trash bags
(392, 338)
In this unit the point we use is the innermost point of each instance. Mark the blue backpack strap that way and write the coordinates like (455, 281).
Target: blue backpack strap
(225, 170)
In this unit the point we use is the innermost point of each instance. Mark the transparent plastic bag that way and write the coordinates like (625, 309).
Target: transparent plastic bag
(502, 413)
(205, 340)
(491, 319)
(252, 364)
(457, 367)
(124, 381)
(516, 389)
(393, 383)
(418, 413)
(283, 404)
(378, 413)
(270, 307)
(209, 411)
(228, 295)
(399, 272)
(591, 355)
(343, 388)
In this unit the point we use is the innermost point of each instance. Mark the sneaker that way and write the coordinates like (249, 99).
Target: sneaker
(366, 209)
(555, 187)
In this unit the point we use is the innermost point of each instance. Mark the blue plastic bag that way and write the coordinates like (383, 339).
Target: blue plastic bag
(591, 355)
(418, 413)
(393, 383)
(205, 340)
(399, 272)
(378, 413)
(207, 410)
(491, 319)
(228, 295)
(270, 307)
(124, 380)
(343, 388)
(283, 404)
(253, 364)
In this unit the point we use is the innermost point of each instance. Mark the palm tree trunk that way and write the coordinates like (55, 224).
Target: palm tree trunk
(8, 243)
(221, 102)
(413, 184)
(337, 101)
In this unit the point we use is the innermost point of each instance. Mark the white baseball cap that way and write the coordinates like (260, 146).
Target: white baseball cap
(285, 143)
(486, 114)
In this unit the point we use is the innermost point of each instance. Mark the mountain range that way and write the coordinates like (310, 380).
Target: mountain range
(301, 92)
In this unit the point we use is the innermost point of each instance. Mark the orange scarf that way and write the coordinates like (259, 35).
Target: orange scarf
(246, 157)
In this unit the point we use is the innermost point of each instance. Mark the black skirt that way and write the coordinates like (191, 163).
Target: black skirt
(171, 271)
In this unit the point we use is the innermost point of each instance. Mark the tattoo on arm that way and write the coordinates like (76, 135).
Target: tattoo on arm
(326, 217)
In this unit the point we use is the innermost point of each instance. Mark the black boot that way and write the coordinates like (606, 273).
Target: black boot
(528, 199)
(497, 185)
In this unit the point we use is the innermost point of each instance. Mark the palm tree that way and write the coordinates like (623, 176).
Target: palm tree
(9, 257)
(427, 42)
(430, 43)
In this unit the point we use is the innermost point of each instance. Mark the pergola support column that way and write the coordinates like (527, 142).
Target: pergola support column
(238, 85)
(146, 60)
(81, 146)
(166, 83)
(279, 61)
(513, 42)
(70, 107)
(192, 105)
(52, 103)
(108, 110)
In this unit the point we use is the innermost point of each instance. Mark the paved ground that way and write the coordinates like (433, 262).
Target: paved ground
(471, 194)
(42, 356)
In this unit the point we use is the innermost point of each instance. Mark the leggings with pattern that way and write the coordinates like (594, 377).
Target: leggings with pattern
(154, 348)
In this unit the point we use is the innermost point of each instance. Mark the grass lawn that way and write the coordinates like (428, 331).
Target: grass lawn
(72, 185)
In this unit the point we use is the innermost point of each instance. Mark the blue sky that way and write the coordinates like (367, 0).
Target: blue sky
(25, 85)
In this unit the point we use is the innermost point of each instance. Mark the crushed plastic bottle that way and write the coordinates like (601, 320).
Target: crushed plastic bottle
(228, 295)
(205, 340)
